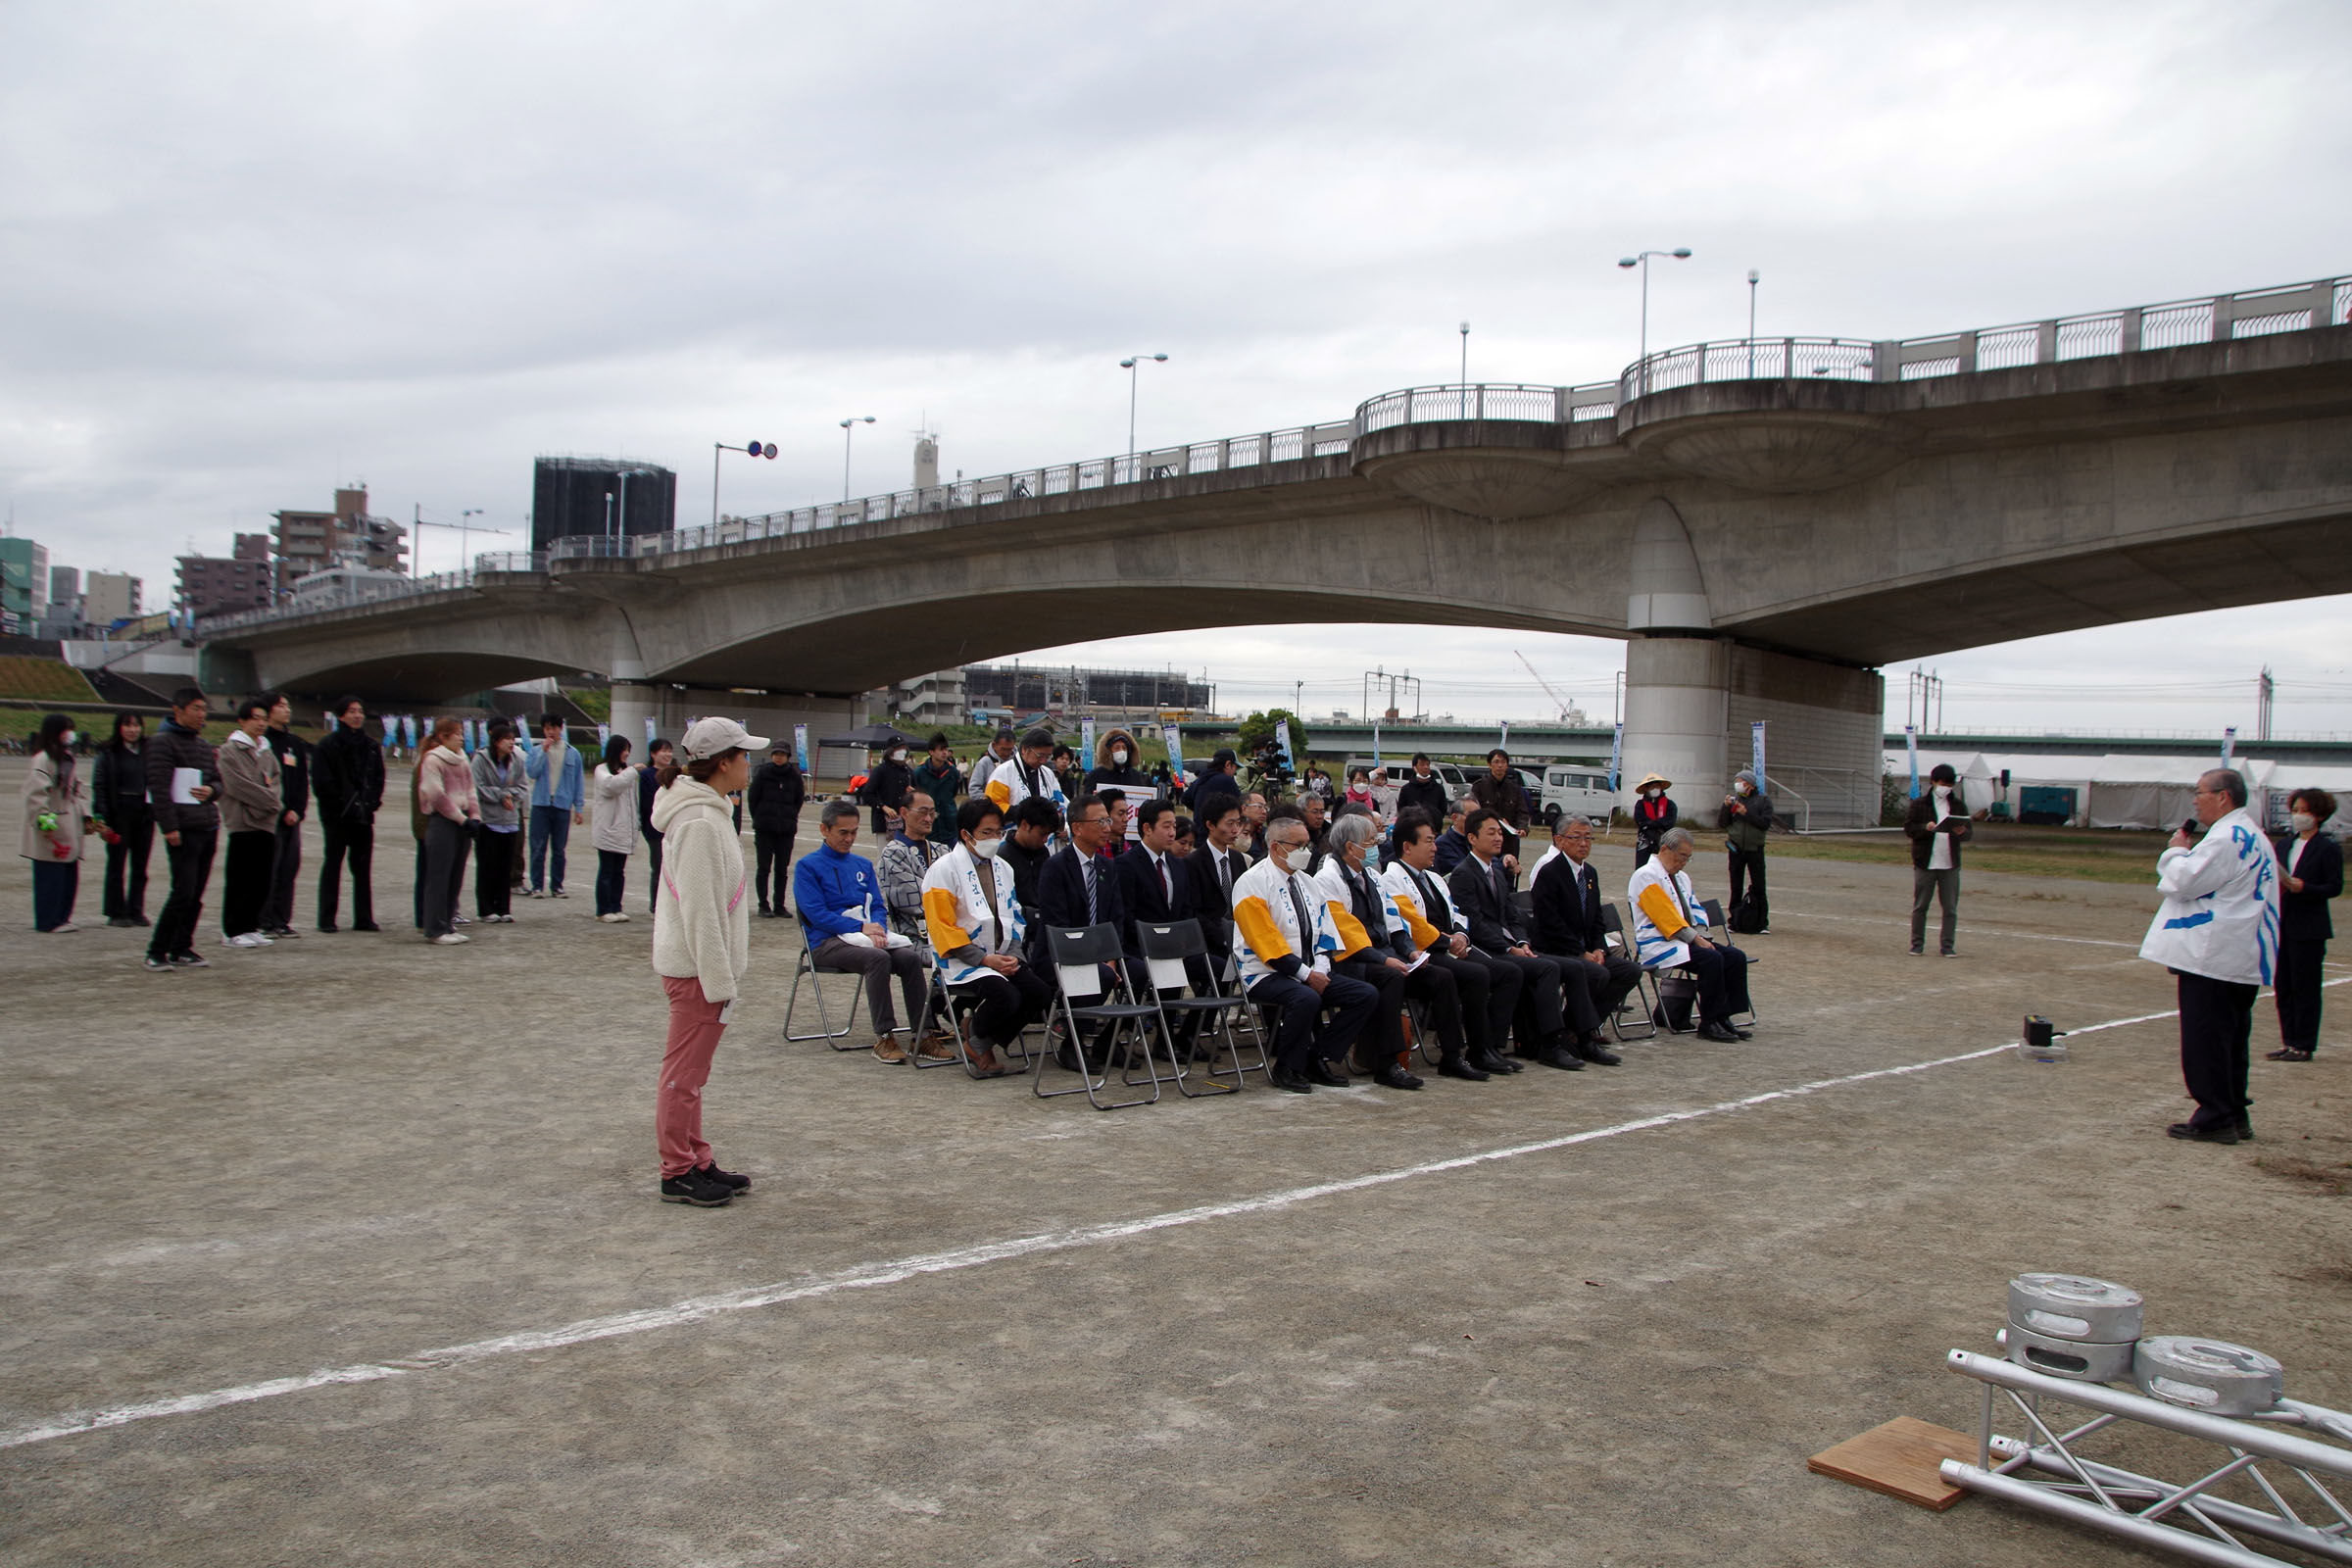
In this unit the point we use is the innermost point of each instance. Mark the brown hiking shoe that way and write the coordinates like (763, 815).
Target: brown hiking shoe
(938, 1048)
(887, 1048)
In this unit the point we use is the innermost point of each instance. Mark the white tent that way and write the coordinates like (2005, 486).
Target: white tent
(2028, 768)
(2155, 792)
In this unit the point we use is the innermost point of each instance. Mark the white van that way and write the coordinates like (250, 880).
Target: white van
(1583, 790)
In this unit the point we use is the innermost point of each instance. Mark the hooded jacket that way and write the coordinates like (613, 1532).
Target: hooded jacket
(702, 924)
(612, 808)
(250, 801)
(777, 794)
(174, 748)
(55, 789)
(347, 774)
(2220, 915)
(492, 781)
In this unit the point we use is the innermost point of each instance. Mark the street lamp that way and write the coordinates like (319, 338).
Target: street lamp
(847, 427)
(621, 521)
(1752, 277)
(754, 448)
(1465, 370)
(1130, 365)
(1681, 252)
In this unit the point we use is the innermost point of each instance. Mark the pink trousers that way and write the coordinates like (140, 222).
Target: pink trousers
(694, 1031)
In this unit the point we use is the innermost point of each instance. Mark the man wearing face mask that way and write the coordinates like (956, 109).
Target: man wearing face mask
(1654, 813)
(972, 917)
(1285, 940)
(1114, 768)
(1936, 824)
(1745, 818)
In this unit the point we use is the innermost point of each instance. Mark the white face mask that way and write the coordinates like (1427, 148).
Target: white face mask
(899, 755)
(1652, 795)
(1119, 756)
(70, 737)
(2302, 821)
(987, 849)
(1745, 787)
(1280, 854)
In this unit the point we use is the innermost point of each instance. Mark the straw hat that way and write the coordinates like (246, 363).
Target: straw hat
(1659, 779)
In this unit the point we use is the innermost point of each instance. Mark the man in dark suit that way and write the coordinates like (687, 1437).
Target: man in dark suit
(1423, 790)
(1213, 869)
(1482, 890)
(1222, 779)
(1077, 888)
(2311, 872)
(1567, 927)
(1153, 888)
(1489, 987)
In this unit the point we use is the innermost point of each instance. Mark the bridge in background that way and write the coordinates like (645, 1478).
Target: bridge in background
(1767, 523)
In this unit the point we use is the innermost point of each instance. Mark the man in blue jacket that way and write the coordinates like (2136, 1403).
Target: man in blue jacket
(559, 792)
(842, 913)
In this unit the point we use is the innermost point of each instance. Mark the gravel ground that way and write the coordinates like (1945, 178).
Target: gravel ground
(347, 1152)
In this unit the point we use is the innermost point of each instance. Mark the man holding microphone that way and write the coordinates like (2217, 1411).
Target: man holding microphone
(2218, 932)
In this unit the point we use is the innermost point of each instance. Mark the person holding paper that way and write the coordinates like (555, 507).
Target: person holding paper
(184, 774)
(702, 947)
(839, 896)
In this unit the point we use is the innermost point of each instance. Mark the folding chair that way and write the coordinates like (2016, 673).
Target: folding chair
(1716, 923)
(807, 969)
(940, 1003)
(1077, 960)
(1247, 1017)
(1655, 980)
(1165, 950)
(1612, 924)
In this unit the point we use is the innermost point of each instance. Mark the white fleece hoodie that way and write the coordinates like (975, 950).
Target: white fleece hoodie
(702, 922)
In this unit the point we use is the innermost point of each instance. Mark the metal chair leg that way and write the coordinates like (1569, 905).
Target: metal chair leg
(1089, 1084)
(807, 969)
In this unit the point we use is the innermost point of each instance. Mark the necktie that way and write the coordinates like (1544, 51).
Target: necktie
(1224, 876)
(1307, 927)
(1167, 894)
(1429, 899)
(1087, 865)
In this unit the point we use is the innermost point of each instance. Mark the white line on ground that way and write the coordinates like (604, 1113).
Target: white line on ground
(867, 1276)
(1966, 930)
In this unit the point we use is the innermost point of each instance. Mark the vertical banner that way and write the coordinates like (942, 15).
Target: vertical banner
(1617, 759)
(799, 747)
(649, 736)
(1175, 736)
(604, 733)
(1282, 738)
(407, 731)
(2228, 744)
(1756, 752)
(1376, 740)
(468, 741)
(1505, 742)
(1911, 743)
(1086, 743)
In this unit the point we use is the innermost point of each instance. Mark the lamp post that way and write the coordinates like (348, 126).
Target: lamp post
(1640, 258)
(1132, 364)
(1752, 277)
(465, 537)
(621, 521)
(1465, 370)
(848, 426)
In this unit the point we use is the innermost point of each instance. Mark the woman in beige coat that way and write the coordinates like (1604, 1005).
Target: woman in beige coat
(56, 806)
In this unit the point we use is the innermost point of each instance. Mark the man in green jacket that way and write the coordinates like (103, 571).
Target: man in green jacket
(940, 778)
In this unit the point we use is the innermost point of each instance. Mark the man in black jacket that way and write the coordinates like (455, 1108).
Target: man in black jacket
(1223, 777)
(294, 785)
(777, 791)
(1488, 986)
(1079, 888)
(347, 784)
(1935, 823)
(183, 780)
(1154, 887)
(1213, 869)
(1422, 791)
(1481, 887)
(1567, 926)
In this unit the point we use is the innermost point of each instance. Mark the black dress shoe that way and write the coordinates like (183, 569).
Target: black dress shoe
(1745, 1033)
(1456, 1067)
(1319, 1071)
(1559, 1056)
(1487, 1063)
(2204, 1135)
(1289, 1083)
(2246, 1129)
(1721, 1034)
(1589, 1048)
(1396, 1078)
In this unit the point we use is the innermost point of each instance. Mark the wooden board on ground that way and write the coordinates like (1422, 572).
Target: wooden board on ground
(1899, 1458)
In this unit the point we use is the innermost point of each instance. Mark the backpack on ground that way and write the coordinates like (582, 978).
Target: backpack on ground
(1750, 915)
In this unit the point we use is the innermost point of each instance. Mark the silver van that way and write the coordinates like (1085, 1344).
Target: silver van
(1579, 788)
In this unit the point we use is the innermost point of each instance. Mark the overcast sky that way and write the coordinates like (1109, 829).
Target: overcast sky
(253, 250)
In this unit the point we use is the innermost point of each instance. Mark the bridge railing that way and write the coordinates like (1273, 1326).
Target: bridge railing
(1487, 400)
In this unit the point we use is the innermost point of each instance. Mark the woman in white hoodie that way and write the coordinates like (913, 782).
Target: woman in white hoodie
(702, 942)
(613, 824)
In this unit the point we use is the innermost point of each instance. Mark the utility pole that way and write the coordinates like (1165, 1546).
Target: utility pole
(2266, 692)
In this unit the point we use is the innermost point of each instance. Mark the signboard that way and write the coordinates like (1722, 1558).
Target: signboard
(1756, 750)
(1617, 759)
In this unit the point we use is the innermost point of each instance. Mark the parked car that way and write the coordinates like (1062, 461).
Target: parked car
(1581, 789)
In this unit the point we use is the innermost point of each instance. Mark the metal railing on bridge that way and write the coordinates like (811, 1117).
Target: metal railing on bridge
(369, 590)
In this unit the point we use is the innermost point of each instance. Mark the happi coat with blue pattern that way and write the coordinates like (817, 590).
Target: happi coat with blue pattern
(2219, 916)
(956, 913)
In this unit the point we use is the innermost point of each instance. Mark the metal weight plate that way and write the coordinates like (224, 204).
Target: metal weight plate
(2080, 1359)
(2069, 1306)
(2208, 1375)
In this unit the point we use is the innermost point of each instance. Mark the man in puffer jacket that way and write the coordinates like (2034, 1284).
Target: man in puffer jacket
(1116, 758)
(702, 946)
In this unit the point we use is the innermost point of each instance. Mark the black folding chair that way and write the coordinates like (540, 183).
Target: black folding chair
(1078, 959)
(1165, 950)
(1612, 924)
(1716, 923)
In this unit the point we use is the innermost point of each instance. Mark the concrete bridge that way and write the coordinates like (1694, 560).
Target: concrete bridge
(1766, 522)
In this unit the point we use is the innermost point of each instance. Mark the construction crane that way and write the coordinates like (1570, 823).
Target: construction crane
(1564, 706)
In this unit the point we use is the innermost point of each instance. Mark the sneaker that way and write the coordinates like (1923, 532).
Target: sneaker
(122, 920)
(450, 939)
(245, 939)
(159, 965)
(62, 930)
(461, 919)
(887, 1048)
(558, 893)
(283, 933)
(618, 917)
(724, 1178)
(536, 894)
(696, 1189)
(937, 1048)
(189, 959)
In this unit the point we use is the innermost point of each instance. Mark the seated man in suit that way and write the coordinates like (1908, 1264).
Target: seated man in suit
(1670, 928)
(1286, 941)
(1567, 926)
(1482, 890)
(1079, 888)
(1213, 869)
(1153, 888)
(1489, 987)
